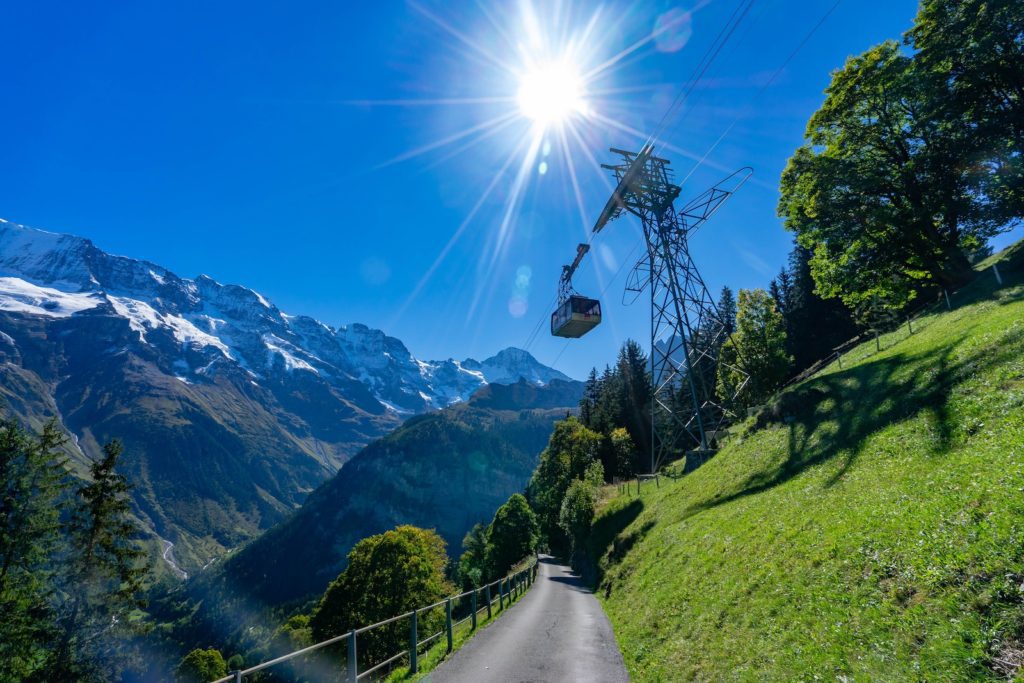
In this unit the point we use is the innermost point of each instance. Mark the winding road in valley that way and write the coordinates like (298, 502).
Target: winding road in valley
(557, 632)
(168, 556)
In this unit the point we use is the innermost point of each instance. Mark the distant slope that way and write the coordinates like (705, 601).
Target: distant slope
(873, 530)
(445, 470)
(230, 410)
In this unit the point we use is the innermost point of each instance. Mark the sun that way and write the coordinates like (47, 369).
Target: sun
(551, 93)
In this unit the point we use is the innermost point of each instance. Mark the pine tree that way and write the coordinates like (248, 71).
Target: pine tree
(588, 404)
(32, 477)
(814, 326)
(634, 395)
(727, 310)
(103, 580)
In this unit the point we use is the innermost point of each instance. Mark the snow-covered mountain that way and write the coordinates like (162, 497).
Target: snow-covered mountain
(231, 410)
(217, 325)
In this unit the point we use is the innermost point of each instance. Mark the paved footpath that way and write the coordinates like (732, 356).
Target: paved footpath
(556, 632)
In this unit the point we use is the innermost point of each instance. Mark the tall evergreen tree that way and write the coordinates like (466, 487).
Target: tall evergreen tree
(634, 400)
(727, 310)
(32, 476)
(814, 326)
(103, 581)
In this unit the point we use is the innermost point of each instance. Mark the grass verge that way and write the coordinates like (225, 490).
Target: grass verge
(869, 527)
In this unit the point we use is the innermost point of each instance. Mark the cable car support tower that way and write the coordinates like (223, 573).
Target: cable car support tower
(687, 330)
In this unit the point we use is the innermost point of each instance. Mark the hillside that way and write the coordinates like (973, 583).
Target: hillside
(446, 470)
(869, 526)
(231, 411)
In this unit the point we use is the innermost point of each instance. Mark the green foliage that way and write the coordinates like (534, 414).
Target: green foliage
(626, 455)
(511, 536)
(887, 192)
(387, 574)
(32, 477)
(67, 591)
(975, 48)
(870, 531)
(594, 474)
(577, 513)
(571, 449)
(757, 348)
(104, 579)
(814, 326)
(201, 666)
(727, 310)
(473, 561)
(620, 397)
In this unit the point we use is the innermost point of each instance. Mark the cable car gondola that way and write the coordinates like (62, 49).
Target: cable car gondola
(575, 316)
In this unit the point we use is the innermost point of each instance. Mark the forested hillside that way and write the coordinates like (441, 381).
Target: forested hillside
(446, 470)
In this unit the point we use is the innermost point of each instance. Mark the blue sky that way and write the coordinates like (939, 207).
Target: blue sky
(274, 145)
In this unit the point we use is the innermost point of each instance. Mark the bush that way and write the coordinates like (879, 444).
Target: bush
(387, 574)
(512, 535)
(200, 666)
(577, 513)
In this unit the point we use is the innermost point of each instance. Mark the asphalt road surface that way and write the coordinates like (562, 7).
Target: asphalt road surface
(557, 632)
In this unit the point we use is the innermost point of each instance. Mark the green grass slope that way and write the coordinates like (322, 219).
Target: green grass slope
(869, 527)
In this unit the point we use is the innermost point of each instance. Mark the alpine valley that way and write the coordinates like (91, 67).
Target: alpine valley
(230, 411)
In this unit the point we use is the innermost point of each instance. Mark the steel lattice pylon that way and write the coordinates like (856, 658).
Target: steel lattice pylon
(686, 328)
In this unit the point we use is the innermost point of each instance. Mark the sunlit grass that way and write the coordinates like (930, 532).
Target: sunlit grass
(872, 530)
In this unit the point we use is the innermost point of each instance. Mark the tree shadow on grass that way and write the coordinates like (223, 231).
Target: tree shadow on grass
(865, 399)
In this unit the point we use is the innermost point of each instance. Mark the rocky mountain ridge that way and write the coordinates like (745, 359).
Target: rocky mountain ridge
(230, 409)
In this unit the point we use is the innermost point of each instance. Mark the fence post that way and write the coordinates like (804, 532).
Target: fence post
(473, 605)
(501, 594)
(878, 346)
(839, 357)
(353, 665)
(448, 621)
(413, 645)
(999, 278)
(236, 676)
(487, 596)
(910, 325)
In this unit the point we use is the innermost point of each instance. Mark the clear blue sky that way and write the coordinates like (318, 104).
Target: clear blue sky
(251, 141)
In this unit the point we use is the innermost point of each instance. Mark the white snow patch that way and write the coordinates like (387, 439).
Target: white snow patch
(142, 317)
(475, 373)
(291, 362)
(19, 296)
(393, 408)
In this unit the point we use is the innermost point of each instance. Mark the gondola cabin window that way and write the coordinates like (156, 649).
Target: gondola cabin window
(576, 316)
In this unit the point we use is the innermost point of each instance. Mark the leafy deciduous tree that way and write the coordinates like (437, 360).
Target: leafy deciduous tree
(387, 574)
(758, 347)
(887, 191)
(511, 536)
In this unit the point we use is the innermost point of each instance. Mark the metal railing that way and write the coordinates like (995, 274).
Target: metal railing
(886, 335)
(508, 588)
